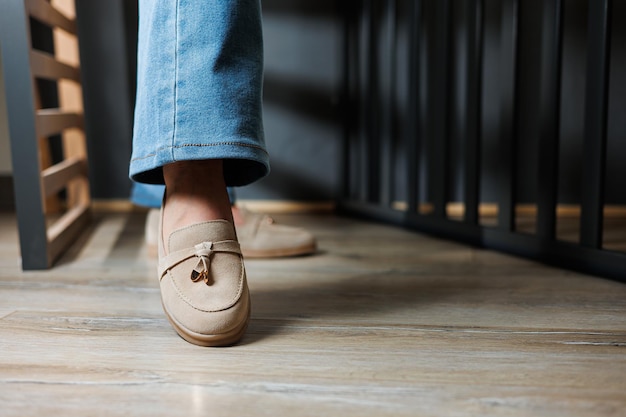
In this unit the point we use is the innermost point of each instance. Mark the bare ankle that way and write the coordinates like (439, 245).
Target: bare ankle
(195, 192)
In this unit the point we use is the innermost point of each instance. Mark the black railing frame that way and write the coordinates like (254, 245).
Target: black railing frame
(362, 198)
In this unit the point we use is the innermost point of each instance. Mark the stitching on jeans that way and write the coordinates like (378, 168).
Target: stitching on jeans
(245, 145)
(202, 145)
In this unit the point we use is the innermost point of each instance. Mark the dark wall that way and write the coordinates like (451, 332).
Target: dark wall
(303, 82)
(301, 97)
(107, 32)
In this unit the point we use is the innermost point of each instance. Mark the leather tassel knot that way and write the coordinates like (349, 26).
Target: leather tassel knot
(204, 251)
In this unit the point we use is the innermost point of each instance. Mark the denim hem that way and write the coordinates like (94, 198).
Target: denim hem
(243, 163)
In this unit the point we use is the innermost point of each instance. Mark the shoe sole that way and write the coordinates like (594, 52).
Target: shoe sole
(209, 340)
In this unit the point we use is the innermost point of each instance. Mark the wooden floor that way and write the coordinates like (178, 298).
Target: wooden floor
(381, 322)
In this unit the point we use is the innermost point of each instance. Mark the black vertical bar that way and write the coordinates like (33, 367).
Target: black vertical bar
(440, 115)
(384, 44)
(596, 114)
(350, 96)
(388, 108)
(15, 46)
(414, 122)
(373, 160)
(473, 109)
(356, 154)
(363, 69)
(549, 109)
(507, 163)
(393, 97)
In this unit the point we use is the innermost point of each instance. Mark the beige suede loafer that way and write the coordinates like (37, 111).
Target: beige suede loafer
(261, 237)
(204, 290)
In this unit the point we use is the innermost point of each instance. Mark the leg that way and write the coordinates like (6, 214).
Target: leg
(190, 201)
(198, 129)
(199, 89)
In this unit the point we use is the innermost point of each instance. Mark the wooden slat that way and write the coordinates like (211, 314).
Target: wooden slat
(66, 229)
(46, 13)
(44, 65)
(52, 121)
(57, 176)
(70, 99)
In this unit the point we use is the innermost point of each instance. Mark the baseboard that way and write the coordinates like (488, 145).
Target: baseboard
(260, 206)
(109, 205)
(287, 206)
(7, 203)
(457, 210)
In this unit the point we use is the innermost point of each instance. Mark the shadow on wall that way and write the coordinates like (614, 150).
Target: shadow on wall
(311, 9)
(303, 81)
(312, 102)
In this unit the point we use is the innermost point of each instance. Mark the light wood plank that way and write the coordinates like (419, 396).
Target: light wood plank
(46, 13)
(284, 206)
(457, 210)
(53, 121)
(44, 65)
(67, 7)
(59, 175)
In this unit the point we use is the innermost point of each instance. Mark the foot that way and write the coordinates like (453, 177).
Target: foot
(203, 282)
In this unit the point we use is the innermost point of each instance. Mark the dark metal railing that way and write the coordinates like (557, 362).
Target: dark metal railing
(454, 108)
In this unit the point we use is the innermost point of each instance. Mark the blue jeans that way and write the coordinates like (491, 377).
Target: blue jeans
(147, 195)
(199, 88)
